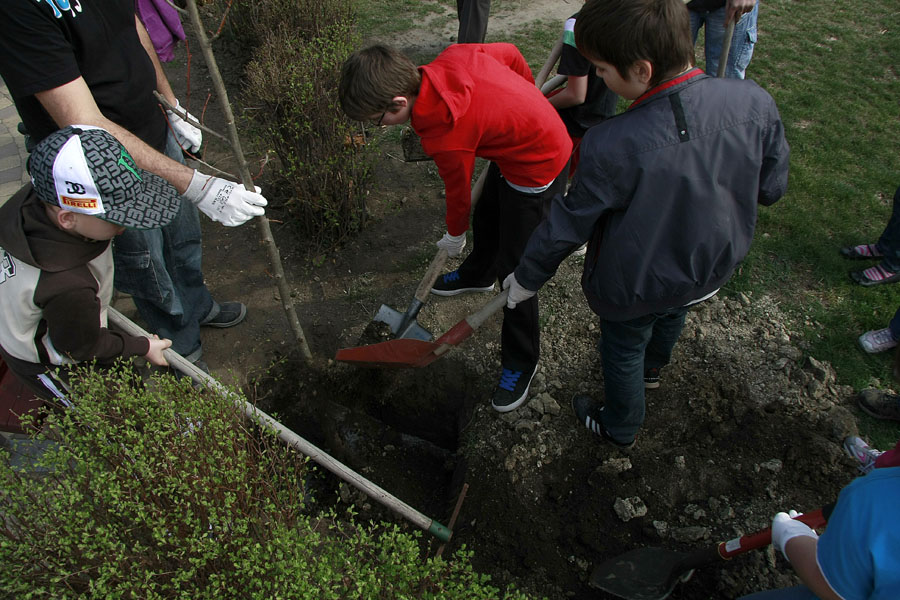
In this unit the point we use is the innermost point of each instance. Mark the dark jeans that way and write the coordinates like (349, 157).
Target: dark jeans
(889, 242)
(628, 349)
(502, 222)
(473, 20)
(161, 269)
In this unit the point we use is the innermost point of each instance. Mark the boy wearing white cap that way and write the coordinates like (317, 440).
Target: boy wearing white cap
(56, 267)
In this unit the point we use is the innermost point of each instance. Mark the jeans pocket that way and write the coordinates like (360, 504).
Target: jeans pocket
(135, 275)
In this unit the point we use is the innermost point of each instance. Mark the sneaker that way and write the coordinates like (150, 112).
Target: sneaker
(512, 389)
(861, 252)
(229, 315)
(651, 379)
(587, 413)
(877, 340)
(450, 284)
(880, 404)
(876, 275)
(859, 450)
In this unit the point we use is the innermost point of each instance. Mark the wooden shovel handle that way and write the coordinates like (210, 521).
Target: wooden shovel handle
(431, 275)
(476, 319)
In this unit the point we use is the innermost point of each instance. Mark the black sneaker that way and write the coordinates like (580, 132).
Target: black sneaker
(229, 315)
(587, 413)
(450, 284)
(651, 379)
(512, 390)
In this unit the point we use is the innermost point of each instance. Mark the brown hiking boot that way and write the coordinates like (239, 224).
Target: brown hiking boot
(880, 404)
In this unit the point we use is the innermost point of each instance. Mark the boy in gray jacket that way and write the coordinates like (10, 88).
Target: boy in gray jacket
(56, 269)
(666, 196)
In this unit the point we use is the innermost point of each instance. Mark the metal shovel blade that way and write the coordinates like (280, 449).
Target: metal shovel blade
(401, 325)
(642, 574)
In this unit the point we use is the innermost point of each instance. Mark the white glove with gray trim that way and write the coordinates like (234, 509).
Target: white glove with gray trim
(516, 292)
(224, 201)
(188, 136)
(784, 528)
(453, 244)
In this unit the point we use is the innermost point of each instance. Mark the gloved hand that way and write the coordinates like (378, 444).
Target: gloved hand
(224, 201)
(784, 527)
(188, 136)
(516, 292)
(453, 244)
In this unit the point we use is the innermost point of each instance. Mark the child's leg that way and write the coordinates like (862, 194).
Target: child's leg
(622, 346)
(480, 266)
(889, 242)
(666, 331)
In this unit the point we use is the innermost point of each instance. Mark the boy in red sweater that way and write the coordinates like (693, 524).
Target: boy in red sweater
(476, 100)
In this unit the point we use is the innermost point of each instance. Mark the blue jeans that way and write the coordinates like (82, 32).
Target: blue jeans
(800, 592)
(629, 348)
(741, 44)
(161, 269)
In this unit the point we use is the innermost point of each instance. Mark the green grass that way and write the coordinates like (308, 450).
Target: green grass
(833, 67)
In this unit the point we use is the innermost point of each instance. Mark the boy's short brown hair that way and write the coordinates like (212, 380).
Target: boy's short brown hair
(622, 32)
(372, 77)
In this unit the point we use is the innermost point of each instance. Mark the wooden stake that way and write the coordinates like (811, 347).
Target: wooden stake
(274, 254)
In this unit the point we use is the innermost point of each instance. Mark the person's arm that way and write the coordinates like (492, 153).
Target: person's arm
(573, 94)
(801, 551)
(73, 104)
(735, 9)
(162, 82)
(773, 176)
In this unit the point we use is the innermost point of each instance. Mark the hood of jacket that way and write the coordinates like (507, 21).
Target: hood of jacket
(446, 91)
(28, 234)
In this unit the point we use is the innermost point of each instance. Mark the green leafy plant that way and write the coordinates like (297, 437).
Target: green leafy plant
(155, 490)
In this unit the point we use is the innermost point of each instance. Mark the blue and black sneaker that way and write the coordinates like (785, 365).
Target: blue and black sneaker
(450, 284)
(512, 390)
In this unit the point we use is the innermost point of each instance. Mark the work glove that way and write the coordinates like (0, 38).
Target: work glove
(516, 292)
(188, 136)
(784, 527)
(453, 244)
(224, 201)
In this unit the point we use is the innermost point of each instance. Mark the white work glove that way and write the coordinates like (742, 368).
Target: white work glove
(784, 527)
(188, 136)
(224, 201)
(453, 244)
(516, 292)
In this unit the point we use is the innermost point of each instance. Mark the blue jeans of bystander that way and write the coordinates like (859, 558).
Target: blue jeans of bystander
(628, 349)
(741, 44)
(161, 269)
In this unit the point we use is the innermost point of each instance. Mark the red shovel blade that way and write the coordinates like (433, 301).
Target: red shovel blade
(405, 352)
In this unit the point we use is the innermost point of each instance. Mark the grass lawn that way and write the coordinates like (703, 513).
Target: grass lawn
(833, 67)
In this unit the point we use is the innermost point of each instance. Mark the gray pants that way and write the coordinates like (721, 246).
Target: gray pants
(473, 20)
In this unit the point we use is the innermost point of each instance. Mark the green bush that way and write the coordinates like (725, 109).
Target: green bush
(291, 98)
(158, 491)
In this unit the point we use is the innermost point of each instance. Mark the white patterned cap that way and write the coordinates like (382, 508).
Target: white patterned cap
(86, 170)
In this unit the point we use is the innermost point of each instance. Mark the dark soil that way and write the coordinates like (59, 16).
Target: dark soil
(743, 426)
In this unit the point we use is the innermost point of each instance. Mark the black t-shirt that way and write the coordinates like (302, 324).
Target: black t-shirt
(599, 103)
(43, 47)
(705, 5)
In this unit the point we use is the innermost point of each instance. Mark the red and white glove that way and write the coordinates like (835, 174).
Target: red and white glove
(453, 244)
(224, 201)
(785, 527)
(516, 292)
(188, 136)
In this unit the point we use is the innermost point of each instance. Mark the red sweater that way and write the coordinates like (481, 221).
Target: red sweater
(480, 100)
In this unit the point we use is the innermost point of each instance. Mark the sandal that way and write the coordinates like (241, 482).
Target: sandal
(874, 276)
(861, 252)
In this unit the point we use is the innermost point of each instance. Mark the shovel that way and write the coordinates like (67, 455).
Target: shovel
(413, 353)
(651, 573)
(404, 325)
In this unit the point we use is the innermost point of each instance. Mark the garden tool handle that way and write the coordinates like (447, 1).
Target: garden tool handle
(431, 275)
(476, 319)
(814, 519)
